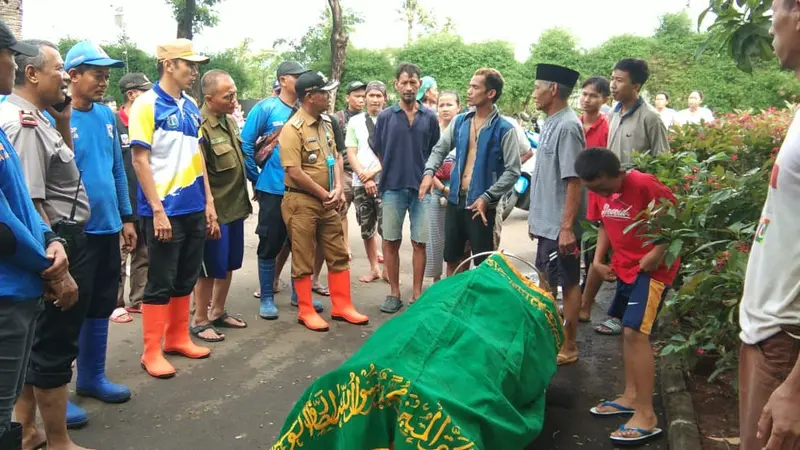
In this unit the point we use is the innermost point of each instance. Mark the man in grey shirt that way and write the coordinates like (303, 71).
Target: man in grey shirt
(635, 125)
(558, 198)
(49, 167)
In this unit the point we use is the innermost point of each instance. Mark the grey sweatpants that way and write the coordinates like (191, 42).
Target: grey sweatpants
(17, 325)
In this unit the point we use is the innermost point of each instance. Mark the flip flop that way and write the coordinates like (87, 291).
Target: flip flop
(564, 360)
(200, 328)
(120, 316)
(619, 410)
(221, 323)
(609, 328)
(134, 309)
(322, 290)
(257, 294)
(644, 435)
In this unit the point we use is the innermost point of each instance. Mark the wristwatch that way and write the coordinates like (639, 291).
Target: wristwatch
(51, 237)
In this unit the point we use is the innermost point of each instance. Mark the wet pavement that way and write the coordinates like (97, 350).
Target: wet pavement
(239, 398)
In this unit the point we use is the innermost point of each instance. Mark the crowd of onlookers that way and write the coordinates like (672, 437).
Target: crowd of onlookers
(164, 180)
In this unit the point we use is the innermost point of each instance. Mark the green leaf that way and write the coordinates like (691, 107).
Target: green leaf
(709, 245)
(673, 252)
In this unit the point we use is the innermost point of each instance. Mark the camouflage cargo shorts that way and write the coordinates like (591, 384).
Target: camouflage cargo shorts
(368, 211)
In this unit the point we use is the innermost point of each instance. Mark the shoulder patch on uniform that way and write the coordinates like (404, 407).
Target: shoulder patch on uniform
(27, 119)
(297, 122)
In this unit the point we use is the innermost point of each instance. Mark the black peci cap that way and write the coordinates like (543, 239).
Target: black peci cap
(557, 74)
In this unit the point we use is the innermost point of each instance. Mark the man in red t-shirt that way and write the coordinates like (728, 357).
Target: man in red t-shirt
(642, 278)
(594, 94)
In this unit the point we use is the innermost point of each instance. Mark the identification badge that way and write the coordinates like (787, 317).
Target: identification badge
(218, 140)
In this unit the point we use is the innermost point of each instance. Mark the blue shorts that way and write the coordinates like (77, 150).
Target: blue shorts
(225, 254)
(637, 305)
(394, 208)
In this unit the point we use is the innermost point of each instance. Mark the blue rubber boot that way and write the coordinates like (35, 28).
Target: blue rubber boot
(318, 307)
(76, 416)
(91, 365)
(266, 277)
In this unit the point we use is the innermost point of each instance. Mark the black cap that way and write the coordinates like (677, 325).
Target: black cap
(7, 40)
(134, 80)
(355, 85)
(291, 68)
(557, 74)
(313, 81)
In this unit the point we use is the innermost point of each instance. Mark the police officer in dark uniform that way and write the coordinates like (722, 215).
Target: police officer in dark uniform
(313, 197)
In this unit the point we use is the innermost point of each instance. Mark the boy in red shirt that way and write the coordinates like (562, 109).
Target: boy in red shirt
(643, 279)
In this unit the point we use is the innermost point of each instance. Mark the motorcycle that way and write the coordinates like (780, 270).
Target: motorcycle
(520, 195)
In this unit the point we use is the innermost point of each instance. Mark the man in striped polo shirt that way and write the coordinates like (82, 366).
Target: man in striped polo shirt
(174, 202)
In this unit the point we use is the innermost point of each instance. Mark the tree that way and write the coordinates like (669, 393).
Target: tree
(193, 15)
(412, 12)
(741, 28)
(339, 39)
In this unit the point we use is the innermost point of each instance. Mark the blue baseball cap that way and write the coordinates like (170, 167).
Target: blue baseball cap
(89, 53)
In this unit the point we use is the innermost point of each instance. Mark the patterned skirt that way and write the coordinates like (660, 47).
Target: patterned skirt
(434, 262)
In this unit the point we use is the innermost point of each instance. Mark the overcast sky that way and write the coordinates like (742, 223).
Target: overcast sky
(518, 22)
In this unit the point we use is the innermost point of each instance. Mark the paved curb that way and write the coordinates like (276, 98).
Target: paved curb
(682, 430)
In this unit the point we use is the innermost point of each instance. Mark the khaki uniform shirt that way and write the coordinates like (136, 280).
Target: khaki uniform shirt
(48, 165)
(306, 142)
(222, 150)
(639, 130)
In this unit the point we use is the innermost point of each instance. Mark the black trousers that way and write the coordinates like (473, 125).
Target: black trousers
(461, 228)
(94, 264)
(174, 266)
(271, 228)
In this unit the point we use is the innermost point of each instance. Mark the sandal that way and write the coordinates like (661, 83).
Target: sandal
(321, 290)
(564, 360)
(135, 309)
(618, 409)
(209, 326)
(120, 315)
(610, 327)
(221, 323)
(643, 435)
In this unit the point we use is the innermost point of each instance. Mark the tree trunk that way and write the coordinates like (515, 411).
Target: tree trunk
(339, 39)
(186, 20)
(11, 14)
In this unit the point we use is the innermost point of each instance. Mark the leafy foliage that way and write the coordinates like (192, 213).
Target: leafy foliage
(719, 174)
(742, 29)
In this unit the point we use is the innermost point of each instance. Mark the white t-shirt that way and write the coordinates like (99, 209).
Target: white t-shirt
(687, 116)
(772, 285)
(669, 116)
(358, 137)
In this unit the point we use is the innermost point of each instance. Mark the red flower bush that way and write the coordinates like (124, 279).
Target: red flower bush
(719, 174)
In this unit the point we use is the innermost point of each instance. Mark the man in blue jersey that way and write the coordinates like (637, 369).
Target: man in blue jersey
(98, 154)
(175, 202)
(25, 265)
(263, 168)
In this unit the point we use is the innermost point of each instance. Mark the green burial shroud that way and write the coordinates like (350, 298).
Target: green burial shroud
(466, 367)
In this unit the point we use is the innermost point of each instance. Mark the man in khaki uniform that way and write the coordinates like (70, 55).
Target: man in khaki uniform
(313, 196)
(224, 159)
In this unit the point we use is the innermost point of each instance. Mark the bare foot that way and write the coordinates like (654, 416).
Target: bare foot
(33, 439)
(370, 278)
(67, 446)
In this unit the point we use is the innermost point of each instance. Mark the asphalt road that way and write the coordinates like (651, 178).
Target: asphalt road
(238, 398)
